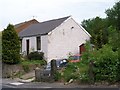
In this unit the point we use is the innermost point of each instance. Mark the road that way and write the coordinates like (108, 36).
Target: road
(37, 86)
(8, 84)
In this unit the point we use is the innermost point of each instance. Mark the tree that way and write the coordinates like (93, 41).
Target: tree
(113, 15)
(100, 28)
(10, 46)
(113, 38)
(105, 36)
(97, 27)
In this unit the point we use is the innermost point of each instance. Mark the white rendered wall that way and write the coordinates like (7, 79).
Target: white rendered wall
(33, 44)
(65, 39)
(44, 45)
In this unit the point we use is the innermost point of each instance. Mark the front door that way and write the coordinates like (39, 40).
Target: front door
(27, 46)
(82, 48)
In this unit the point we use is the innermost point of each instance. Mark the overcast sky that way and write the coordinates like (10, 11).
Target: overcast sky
(16, 11)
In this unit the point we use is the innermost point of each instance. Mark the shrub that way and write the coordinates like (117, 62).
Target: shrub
(10, 46)
(36, 56)
(84, 78)
(106, 65)
(43, 62)
(57, 76)
(70, 72)
(34, 62)
(88, 55)
(26, 68)
(118, 68)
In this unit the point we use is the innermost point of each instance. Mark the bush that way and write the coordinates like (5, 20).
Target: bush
(84, 78)
(10, 46)
(34, 62)
(26, 68)
(88, 55)
(57, 76)
(70, 72)
(36, 56)
(106, 65)
(43, 62)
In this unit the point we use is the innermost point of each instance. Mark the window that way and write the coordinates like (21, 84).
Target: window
(38, 43)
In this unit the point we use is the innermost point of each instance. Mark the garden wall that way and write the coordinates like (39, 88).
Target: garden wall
(13, 70)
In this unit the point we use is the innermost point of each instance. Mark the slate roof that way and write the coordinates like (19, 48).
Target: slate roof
(21, 26)
(42, 28)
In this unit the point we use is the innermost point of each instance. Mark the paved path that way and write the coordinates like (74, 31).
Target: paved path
(28, 75)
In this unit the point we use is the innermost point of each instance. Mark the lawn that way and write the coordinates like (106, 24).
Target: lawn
(33, 62)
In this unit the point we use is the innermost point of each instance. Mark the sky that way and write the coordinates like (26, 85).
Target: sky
(17, 11)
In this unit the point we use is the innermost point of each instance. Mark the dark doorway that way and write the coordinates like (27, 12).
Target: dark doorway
(82, 48)
(27, 46)
(20, 45)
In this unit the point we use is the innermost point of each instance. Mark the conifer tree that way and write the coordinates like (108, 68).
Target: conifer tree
(10, 46)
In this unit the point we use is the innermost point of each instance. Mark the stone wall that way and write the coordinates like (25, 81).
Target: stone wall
(12, 70)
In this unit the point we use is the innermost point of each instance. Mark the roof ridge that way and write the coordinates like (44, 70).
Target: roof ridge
(56, 19)
(25, 22)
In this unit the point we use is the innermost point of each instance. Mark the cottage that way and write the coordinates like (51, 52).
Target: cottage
(57, 38)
